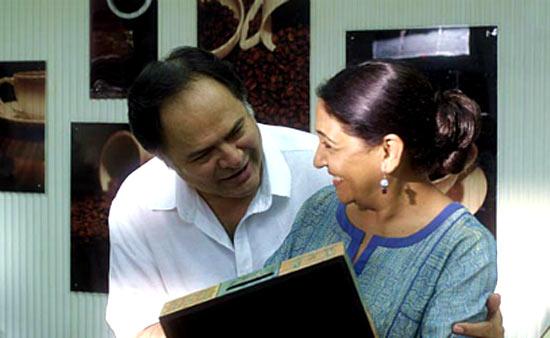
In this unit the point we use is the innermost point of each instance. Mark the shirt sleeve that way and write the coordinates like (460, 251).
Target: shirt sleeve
(136, 291)
(467, 280)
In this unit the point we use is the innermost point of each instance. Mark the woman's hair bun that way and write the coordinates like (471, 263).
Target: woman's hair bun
(458, 123)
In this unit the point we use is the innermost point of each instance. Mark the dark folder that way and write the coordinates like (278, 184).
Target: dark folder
(314, 294)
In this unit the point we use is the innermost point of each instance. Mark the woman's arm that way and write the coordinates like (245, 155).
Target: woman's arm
(491, 328)
(465, 283)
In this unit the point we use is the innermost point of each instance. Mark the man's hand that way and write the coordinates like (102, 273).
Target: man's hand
(153, 331)
(492, 328)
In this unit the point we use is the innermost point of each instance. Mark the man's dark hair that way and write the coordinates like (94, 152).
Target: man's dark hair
(161, 80)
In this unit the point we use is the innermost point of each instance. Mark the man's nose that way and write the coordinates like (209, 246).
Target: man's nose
(230, 156)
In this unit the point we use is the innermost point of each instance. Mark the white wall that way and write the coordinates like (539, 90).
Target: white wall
(35, 300)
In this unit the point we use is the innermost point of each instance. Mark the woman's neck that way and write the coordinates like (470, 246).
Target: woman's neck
(401, 212)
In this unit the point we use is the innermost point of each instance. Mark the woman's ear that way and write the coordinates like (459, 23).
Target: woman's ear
(393, 148)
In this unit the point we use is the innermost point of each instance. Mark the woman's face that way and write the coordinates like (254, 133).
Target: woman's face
(354, 165)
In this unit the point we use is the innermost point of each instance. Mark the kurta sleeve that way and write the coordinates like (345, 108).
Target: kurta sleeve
(468, 278)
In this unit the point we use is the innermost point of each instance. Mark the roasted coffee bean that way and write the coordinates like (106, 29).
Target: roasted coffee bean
(89, 214)
(216, 24)
(278, 81)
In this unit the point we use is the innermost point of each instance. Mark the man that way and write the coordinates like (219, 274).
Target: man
(215, 203)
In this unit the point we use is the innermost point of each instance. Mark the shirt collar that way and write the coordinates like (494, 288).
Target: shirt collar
(161, 184)
(276, 170)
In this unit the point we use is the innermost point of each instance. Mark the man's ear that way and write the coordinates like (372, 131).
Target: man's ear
(393, 152)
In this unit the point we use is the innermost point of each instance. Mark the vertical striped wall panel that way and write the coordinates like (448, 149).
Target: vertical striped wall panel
(35, 300)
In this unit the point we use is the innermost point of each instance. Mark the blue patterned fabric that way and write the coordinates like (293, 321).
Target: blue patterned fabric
(416, 286)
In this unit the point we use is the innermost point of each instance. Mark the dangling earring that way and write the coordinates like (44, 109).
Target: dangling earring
(384, 183)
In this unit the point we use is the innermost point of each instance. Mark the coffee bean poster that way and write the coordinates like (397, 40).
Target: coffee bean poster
(463, 58)
(123, 39)
(22, 125)
(267, 41)
(102, 156)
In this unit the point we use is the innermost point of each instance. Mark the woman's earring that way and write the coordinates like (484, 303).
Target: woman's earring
(384, 183)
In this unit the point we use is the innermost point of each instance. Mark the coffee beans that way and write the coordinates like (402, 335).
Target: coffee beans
(278, 81)
(89, 217)
(216, 24)
(89, 214)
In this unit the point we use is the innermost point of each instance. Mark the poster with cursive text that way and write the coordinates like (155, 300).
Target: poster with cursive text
(267, 41)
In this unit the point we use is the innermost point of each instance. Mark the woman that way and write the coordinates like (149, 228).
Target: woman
(423, 262)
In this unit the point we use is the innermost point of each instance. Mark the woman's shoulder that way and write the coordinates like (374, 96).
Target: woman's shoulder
(467, 232)
(318, 204)
(313, 228)
(318, 213)
(470, 226)
(322, 198)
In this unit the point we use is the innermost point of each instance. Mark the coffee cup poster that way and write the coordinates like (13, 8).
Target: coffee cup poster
(463, 58)
(123, 39)
(267, 41)
(102, 156)
(22, 119)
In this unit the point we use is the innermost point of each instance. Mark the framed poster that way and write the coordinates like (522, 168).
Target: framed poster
(462, 58)
(102, 156)
(268, 44)
(22, 125)
(123, 39)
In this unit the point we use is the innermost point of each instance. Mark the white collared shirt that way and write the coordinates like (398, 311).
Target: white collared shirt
(166, 242)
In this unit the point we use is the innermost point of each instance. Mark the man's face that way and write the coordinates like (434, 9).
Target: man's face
(211, 141)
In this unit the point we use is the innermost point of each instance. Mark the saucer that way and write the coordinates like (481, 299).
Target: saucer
(12, 112)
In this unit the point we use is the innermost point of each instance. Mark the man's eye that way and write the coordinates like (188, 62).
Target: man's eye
(235, 134)
(200, 157)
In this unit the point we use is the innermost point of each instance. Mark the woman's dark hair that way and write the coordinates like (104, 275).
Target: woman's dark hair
(160, 80)
(377, 98)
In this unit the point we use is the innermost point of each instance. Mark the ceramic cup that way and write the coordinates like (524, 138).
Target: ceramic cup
(30, 90)
(120, 155)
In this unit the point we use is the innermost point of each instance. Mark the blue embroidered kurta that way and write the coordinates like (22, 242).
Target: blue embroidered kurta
(414, 286)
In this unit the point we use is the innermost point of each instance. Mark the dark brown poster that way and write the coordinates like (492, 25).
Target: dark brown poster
(123, 39)
(102, 156)
(22, 119)
(462, 58)
(267, 41)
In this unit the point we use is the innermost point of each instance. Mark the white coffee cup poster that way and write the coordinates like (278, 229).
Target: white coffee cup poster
(102, 156)
(22, 120)
(123, 39)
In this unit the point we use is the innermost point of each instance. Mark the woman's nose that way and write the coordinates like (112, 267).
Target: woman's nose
(319, 160)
